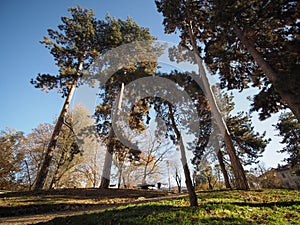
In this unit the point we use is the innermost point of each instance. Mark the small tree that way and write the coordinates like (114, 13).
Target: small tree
(177, 178)
(66, 157)
(154, 152)
(35, 148)
(11, 158)
(88, 169)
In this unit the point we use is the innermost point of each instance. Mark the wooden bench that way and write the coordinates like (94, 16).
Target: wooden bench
(146, 186)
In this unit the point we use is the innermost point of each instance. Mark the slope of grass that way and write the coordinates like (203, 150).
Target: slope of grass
(216, 207)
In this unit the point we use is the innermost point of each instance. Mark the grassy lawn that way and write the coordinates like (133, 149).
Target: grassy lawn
(215, 207)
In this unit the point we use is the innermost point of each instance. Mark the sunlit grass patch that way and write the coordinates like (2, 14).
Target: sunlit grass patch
(215, 207)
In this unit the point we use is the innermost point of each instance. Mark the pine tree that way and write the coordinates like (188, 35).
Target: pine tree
(289, 129)
(188, 16)
(178, 117)
(257, 43)
(128, 32)
(73, 47)
(12, 155)
(249, 144)
(78, 42)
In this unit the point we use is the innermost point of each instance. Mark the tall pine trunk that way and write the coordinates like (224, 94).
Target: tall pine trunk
(223, 169)
(44, 168)
(188, 180)
(237, 167)
(285, 91)
(105, 179)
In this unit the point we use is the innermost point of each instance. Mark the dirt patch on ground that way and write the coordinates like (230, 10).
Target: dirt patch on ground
(32, 207)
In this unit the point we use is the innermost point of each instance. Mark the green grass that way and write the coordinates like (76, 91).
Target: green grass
(215, 207)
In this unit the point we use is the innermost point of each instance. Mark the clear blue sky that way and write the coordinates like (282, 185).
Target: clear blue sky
(24, 23)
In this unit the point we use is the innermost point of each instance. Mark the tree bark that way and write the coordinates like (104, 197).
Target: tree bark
(292, 101)
(28, 174)
(237, 167)
(188, 180)
(145, 174)
(238, 170)
(224, 171)
(178, 180)
(44, 169)
(105, 179)
(210, 186)
(120, 176)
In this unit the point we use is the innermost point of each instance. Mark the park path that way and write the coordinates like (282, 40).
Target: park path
(34, 219)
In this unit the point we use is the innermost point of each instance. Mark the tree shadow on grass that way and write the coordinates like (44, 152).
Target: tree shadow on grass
(86, 193)
(148, 214)
(50, 201)
(35, 209)
(267, 204)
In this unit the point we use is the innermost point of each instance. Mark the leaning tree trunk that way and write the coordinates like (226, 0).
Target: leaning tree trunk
(289, 93)
(44, 168)
(238, 170)
(188, 180)
(223, 169)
